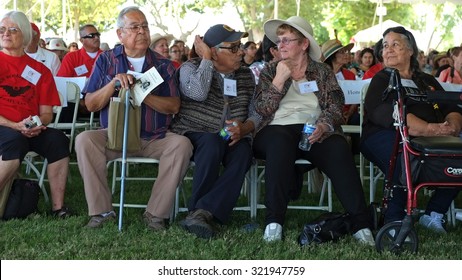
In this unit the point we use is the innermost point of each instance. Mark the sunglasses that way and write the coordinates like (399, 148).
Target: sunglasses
(91, 35)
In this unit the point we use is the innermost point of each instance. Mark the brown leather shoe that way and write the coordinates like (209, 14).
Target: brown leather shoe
(153, 222)
(200, 223)
(97, 221)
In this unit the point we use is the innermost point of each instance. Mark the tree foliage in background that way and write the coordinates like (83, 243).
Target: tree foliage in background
(346, 17)
(101, 13)
(171, 13)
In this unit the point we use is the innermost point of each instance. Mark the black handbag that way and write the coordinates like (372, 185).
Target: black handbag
(22, 200)
(327, 227)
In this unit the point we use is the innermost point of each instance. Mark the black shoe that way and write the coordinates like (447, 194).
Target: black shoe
(62, 213)
(200, 223)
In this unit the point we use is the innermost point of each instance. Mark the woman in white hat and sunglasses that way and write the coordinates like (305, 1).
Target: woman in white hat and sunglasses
(291, 92)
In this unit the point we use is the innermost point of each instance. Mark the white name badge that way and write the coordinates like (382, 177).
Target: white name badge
(31, 75)
(408, 83)
(81, 70)
(308, 87)
(230, 87)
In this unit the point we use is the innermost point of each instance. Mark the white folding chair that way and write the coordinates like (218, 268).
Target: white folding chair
(257, 178)
(453, 211)
(117, 177)
(32, 160)
(73, 95)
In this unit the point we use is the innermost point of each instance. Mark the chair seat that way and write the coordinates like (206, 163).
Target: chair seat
(447, 145)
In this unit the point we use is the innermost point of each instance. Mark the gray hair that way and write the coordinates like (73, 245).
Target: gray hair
(120, 18)
(23, 23)
(82, 29)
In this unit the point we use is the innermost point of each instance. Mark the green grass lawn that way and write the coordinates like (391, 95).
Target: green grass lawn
(43, 237)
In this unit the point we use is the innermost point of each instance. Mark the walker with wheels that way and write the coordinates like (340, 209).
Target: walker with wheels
(434, 161)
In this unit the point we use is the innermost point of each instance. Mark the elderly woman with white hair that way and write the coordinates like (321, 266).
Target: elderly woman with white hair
(27, 89)
(291, 92)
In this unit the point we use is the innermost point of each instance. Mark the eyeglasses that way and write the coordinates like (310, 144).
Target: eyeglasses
(175, 51)
(285, 41)
(12, 30)
(92, 35)
(137, 28)
(346, 51)
(233, 49)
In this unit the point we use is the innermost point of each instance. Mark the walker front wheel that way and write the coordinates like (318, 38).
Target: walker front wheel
(386, 239)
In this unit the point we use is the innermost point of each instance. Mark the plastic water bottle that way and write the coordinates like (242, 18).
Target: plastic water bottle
(224, 133)
(304, 143)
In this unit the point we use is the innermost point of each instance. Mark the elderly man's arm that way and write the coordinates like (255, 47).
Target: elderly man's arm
(163, 104)
(97, 100)
(195, 81)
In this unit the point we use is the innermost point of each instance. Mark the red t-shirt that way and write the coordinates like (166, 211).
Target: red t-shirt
(372, 71)
(77, 64)
(21, 98)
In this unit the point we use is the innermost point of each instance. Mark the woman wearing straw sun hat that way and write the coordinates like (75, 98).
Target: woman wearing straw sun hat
(292, 91)
(337, 56)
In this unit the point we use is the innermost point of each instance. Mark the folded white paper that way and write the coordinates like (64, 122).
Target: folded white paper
(145, 84)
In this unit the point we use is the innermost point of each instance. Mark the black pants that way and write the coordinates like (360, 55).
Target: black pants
(52, 144)
(212, 191)
(278, 146)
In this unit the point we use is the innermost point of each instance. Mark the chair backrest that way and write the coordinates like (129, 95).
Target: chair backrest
(73, 95)
(57, 111)
(361, 107)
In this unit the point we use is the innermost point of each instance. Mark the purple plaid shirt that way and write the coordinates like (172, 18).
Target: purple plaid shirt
(154, 125)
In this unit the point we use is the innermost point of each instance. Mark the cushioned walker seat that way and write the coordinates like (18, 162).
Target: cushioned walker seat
(447, 145)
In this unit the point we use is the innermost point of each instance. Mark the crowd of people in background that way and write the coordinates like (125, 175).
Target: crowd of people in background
(251, 88)
(359, 61)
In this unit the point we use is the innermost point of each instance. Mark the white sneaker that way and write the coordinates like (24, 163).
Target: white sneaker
(434, 221)
(365, 236)
(273, 232)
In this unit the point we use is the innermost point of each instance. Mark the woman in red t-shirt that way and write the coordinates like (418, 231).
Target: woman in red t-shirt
(27, 89)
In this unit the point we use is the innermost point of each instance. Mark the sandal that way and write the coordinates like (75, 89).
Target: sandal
(62, 213)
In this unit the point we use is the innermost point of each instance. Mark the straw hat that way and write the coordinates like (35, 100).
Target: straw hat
(156, 37)
(301, 25)
(57, 45)
(331, 47)
(438, 57)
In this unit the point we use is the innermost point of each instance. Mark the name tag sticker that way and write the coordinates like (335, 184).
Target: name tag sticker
(230, 87)
(31, 75)
(408, 83)
(81, 70)
(308, 87)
